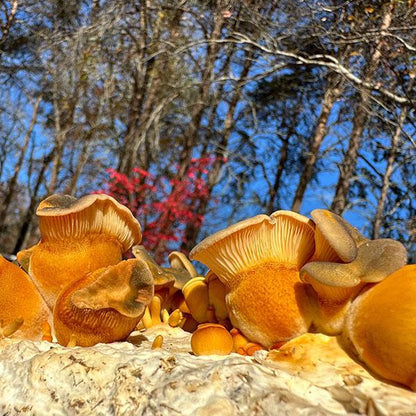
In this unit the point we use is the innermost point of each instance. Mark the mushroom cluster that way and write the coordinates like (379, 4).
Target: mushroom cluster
(270, 280)
(82, 281)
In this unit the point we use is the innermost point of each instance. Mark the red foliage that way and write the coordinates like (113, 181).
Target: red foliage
(163, 206)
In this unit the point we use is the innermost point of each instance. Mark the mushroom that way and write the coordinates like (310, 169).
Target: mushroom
(104, 305)
(380, 327)
(77, 236)
(258, 260)
(211, 339)
(241, 345)
(205, 299)
(343, 263)
(167, 284)
(19, 298)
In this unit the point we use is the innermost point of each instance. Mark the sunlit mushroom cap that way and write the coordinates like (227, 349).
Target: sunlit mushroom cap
(210, 339)
(162, 276)
(381, 325)
(375, 260)
(180, 272)
(63, 216)
(104, 305)
(333, 239)
(19, 298)
(284, 237)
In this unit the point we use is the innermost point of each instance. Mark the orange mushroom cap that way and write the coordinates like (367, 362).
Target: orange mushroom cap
(381, 326)
(258, 260)
(78, 236)
(104, 305)
(211, 339)
(19, 298)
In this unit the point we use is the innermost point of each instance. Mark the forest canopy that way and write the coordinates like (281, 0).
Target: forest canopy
(200, 113)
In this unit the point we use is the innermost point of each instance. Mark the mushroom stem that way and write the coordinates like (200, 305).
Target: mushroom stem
(11, 328)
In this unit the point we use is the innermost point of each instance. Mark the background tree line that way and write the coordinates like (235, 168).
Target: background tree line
(297, 105)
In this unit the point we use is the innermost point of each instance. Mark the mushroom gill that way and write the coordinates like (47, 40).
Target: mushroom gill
(77, 236)
(258, 260)
(19, 299)
(381, 327)
(104, 305)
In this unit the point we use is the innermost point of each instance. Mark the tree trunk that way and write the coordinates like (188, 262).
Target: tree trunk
(332, 93)
(13, 180)
(349, 163)
(192, 230)
(27, 220)
(378, 220)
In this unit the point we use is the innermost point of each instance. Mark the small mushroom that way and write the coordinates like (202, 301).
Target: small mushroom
(343, 262)
(77, 236)
(211, 339)
(381, 327)
(19, 298)
(205, 299)
(195, 293)
(258, 260)
(104, 305)
(168, 282)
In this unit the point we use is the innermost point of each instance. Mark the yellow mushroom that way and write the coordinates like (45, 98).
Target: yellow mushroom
(343, 263)
(211, 339)
(258, 260)
(168, 282)
(78, 236)
(104, 305)
(381, 327)
(19, 298)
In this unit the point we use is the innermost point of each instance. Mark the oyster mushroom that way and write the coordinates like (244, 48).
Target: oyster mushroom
(205, 299)
(77, 236)
(168, 282)
(380, 327)
(343, 263)
(20, 300)
(258, 260)
(104, 305)
(210, 339)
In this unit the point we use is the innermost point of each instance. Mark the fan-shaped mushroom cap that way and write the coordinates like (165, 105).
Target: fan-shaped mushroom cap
(284, 237)
(177, 275)
(210, 339)
(381, 324)
(375, 260)
(63, 216)
(78, 236)
(162, 276)
(104, 305)
(178, 261)
(338, 283)
(258, 260)
(333, 240)
(19, 298)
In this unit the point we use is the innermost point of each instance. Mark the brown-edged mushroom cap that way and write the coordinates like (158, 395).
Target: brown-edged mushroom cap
(63, 216)
(126, 287)
(162, 276)
(178, 260)
(104, 305)
(375, 260)
(333, 240)
(284, 237)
